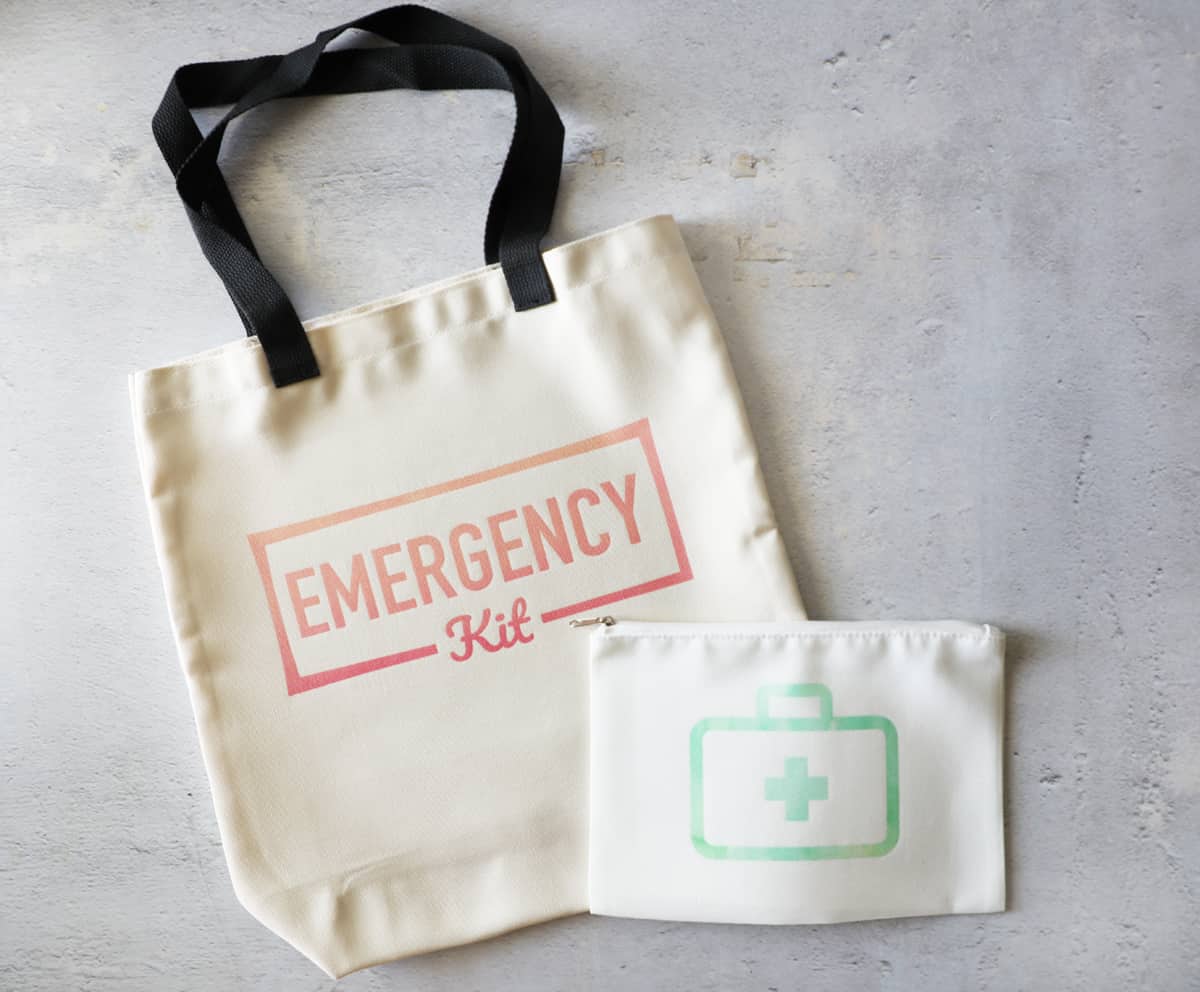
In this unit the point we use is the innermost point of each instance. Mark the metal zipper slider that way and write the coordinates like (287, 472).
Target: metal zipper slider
(592, 621)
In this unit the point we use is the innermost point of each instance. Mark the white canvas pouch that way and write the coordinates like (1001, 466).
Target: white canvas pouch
(797, 772)
(374, 527)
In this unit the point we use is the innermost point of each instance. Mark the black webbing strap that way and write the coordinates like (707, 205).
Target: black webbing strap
(433, 51)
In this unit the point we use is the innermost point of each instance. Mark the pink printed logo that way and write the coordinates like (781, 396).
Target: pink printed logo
(472, 565)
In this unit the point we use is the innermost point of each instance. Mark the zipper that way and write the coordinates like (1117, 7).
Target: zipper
(592, 621)
(795, 628)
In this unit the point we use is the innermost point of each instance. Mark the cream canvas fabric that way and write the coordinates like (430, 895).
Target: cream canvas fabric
(796, 772)
(370, 576)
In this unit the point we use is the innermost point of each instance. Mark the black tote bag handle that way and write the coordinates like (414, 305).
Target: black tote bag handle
(432, 51)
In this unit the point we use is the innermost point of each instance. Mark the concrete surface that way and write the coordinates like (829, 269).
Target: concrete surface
(954, 249)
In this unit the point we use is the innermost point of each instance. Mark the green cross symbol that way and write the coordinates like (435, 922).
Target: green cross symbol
(796, 788)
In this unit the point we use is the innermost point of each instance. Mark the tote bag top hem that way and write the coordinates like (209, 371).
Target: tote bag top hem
(357, 332)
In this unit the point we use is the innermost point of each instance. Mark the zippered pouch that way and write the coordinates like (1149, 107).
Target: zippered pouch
(795, 772)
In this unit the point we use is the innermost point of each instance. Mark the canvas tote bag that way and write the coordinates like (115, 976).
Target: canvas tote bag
(374, 527)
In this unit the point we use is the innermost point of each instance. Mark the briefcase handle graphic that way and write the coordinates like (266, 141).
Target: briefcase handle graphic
(766, 698)
(813, 690)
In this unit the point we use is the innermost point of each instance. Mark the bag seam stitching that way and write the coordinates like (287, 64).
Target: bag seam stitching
(854, 635)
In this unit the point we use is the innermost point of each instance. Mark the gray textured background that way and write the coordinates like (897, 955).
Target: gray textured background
(953, 247)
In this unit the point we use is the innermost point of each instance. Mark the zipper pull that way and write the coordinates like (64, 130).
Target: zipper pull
(592, 621)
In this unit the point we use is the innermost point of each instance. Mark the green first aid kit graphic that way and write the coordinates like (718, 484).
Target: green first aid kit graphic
(794, 788)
